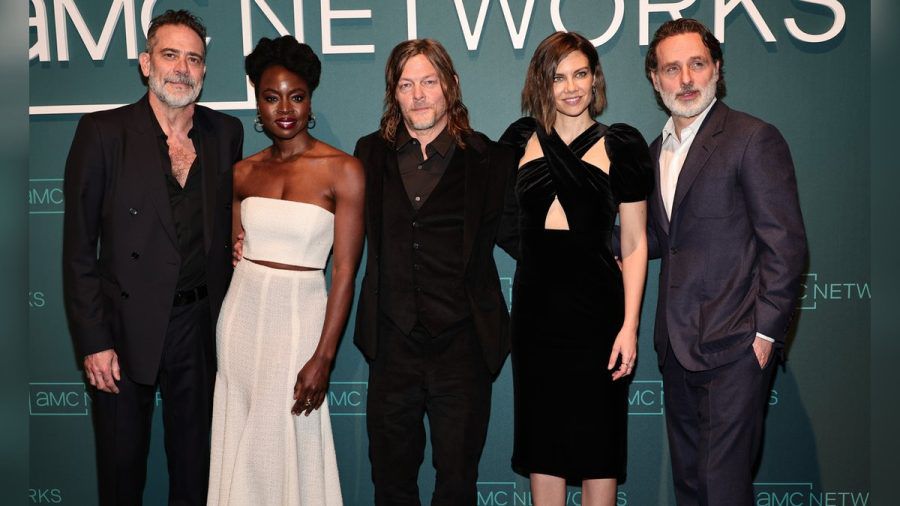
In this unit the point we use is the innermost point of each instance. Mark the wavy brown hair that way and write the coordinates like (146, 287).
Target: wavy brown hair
(677, 27)
(457, 114)
(537, 95)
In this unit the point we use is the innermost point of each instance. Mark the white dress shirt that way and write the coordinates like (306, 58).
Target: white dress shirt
(673, 153)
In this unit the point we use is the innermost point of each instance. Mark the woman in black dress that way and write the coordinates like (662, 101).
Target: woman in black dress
(575, 312)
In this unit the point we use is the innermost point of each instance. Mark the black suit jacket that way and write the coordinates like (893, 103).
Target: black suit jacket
(120, 296)
(489, 201)
(735, 247)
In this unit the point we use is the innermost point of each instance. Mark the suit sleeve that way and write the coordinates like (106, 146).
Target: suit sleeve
(508, 234)
(238, 145)
(83, 187)
(770, 188)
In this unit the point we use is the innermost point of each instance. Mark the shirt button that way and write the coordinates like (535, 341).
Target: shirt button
(132, 211)
(418, 198)
(415, 224)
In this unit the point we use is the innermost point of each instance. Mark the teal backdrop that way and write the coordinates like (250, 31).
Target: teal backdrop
(802, 65)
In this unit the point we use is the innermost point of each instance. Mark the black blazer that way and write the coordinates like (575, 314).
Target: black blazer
(120, 297)
(489, 201)
(735, 248)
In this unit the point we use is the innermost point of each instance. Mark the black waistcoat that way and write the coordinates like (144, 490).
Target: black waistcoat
(421, 253)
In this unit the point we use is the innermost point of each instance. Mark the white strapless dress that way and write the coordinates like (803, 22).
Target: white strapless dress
(270, 325)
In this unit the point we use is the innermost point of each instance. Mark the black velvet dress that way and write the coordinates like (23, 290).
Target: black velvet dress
(568, 303)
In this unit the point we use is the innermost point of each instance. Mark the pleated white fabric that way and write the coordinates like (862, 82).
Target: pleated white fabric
(262, 455)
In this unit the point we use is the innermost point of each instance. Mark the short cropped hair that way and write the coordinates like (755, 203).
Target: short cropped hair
(287, 52)
(172, 17)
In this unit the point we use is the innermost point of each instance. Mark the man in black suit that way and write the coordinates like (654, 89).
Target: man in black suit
(149, 184)
(726, 221)
(431, 321)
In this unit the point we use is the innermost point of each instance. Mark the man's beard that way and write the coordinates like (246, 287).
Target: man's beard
(707, 94)
(157, 85)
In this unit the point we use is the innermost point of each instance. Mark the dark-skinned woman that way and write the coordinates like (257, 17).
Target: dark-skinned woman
(295, 202)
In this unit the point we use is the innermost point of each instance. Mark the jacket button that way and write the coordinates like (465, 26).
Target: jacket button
(674, 251)
(135, 255)
(415, 245)
(124, 295)
(132, 211)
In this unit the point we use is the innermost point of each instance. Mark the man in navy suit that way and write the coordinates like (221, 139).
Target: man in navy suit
(726, 222)
(146, 263)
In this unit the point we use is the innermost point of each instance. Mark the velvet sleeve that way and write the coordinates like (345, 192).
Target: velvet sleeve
(631, 168)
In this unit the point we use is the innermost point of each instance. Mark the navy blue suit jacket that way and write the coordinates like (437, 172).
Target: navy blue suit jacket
(735, 248)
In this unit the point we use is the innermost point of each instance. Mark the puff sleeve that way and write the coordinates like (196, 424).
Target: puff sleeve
(631, 168)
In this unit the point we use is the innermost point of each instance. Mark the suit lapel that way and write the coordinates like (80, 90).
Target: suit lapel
(144, 157)
(375, 195)
(701, 149)
(476, 163)
(659, 210)
(208, 163)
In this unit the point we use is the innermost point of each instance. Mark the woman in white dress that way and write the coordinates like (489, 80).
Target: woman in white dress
(277, 335)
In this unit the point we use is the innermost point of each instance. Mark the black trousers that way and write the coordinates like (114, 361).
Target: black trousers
(714, 420)
(122, 421)
(444, 377)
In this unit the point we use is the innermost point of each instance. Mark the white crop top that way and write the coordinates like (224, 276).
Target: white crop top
(287, 232)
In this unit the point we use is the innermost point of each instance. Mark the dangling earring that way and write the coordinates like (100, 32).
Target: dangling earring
(311, 122)
(257, 124)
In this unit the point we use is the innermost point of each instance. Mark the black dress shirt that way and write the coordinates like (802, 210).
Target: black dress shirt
(187, 212)
(421, 175)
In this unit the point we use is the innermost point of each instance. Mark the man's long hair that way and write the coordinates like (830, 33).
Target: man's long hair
(457, 114)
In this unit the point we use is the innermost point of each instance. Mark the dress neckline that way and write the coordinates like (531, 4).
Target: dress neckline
(288, 202)
(587, 131)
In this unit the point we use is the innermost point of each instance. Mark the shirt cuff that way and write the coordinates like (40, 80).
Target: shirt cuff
(764, 337)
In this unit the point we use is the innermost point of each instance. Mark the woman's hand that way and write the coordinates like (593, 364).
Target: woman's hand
(237, 250)
(311, 386)
(625, 346)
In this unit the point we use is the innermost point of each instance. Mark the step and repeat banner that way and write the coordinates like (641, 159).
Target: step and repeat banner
(802, 65)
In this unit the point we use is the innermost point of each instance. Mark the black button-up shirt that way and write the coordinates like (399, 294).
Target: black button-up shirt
(187, 211)
(420, 176)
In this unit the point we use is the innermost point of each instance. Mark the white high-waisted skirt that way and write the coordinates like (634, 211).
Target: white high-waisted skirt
(270, 325)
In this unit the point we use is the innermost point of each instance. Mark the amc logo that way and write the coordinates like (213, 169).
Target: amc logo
(501, 493)
(58, 399)
(815, 290)
(45, 196)
(348, 398)
(802, 494)
(646, 398)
